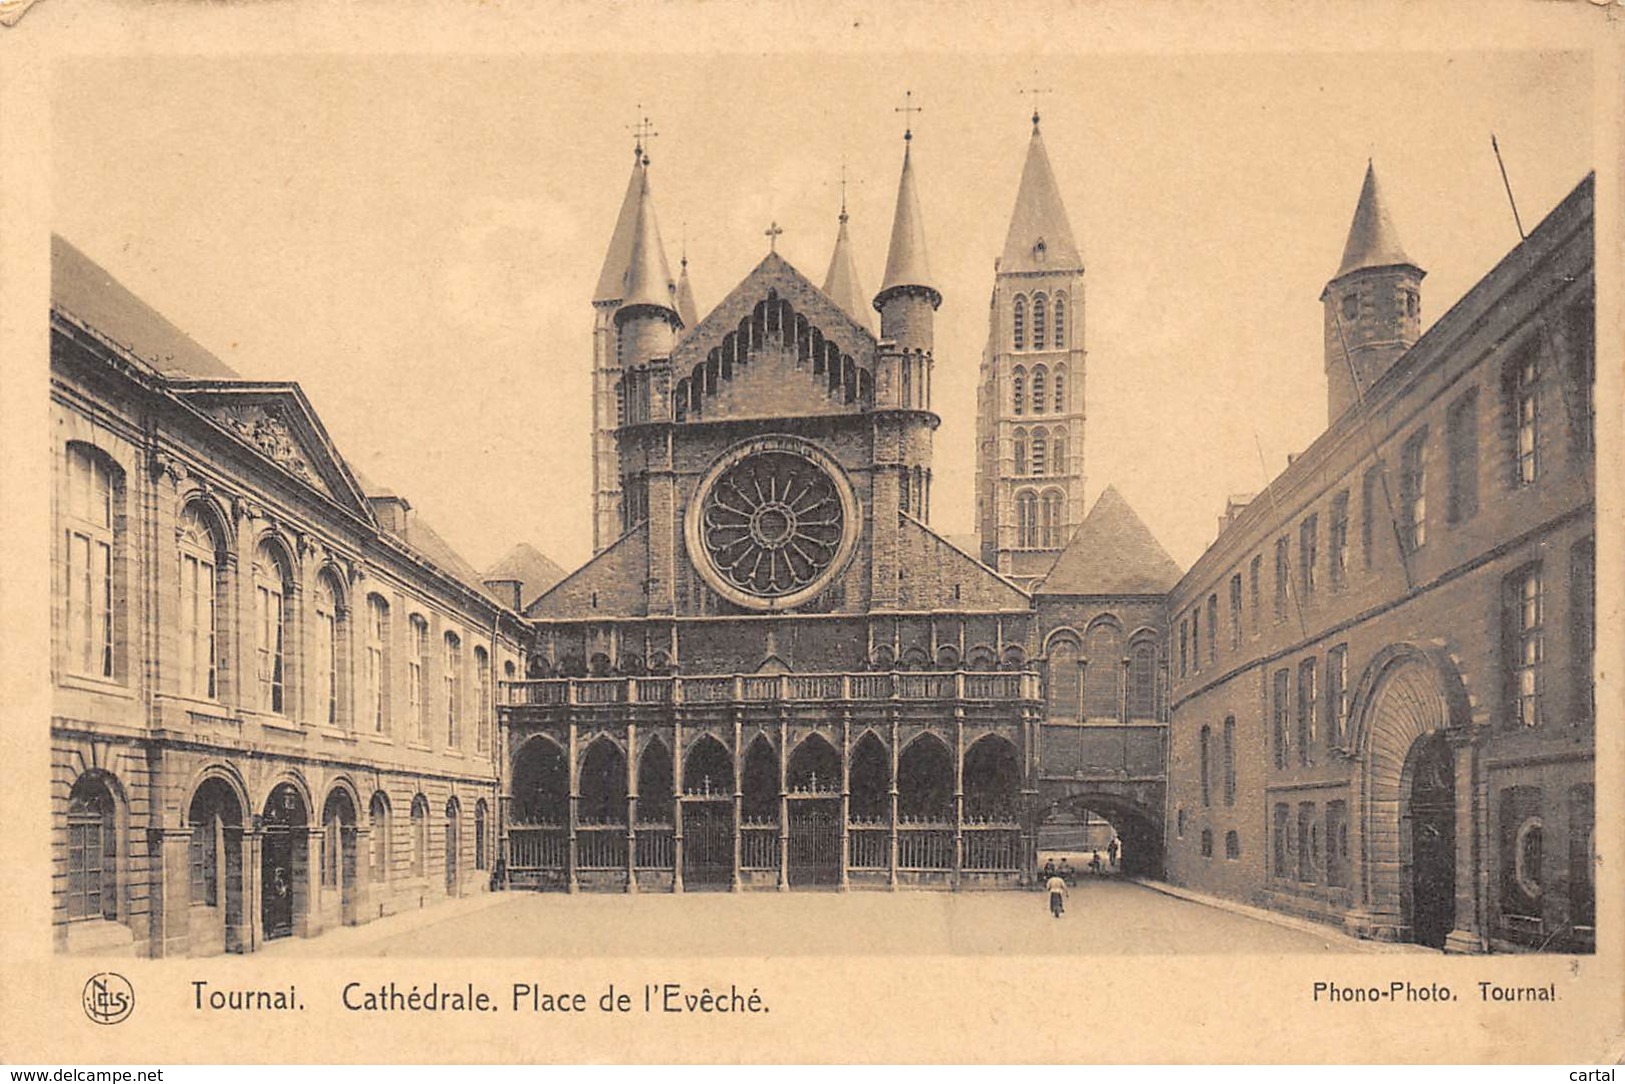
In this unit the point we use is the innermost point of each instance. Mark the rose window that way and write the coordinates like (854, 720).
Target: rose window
(772, 524)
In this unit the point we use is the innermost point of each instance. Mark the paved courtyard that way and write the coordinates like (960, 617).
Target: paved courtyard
(1104, 917)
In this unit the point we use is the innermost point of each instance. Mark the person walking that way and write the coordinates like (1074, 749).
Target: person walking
(1111, 852)
(1057, 895)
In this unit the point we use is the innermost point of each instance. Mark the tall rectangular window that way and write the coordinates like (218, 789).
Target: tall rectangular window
(377, 630)
(1212, 629)
(1371, 496)
(1230, 760)
(1255, 580)
(1337, 696)
(1308, 835)
(1235, 611)
(1184, 648)
(1413, 491)
(1280, 713)
(1337, 540)
(453, 678)
(417, 664)
(1524, 630)
(1281, 838)
(1196, 639)
(88, 562)
(1523, 400)
(1283, 574)
(1307, 703)
(1337, 844)
(1205, 757)
(196, 626)
(1308, 554)
(1583, 629)
(1461, 436)
(482, 666)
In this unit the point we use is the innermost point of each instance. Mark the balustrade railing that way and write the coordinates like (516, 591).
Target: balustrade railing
(601, 847)
(772, 688)
(538, 846)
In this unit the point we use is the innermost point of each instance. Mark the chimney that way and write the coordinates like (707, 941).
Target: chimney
(392, 512)
(508, 592)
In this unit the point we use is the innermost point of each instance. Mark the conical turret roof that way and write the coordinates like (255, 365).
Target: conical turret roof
(612, 276)
(687, 310)
(906, 264)
(841, 283)
(1112, 552)
(648, 275)
(1040, 237)
(1373, 241)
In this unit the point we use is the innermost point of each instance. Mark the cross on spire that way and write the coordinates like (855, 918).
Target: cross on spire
(843, 189)
(772, 234)
(1035, 92)
(907, 109)
(642, 131)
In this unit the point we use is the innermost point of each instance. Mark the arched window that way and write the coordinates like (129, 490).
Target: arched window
(453, 679)
(200, 590)
(1051, 520)
(1060, 329)
(1232, 846)
(92, 851)
(1019, 324)
(1026, 519)
(326, 669)
(1018, 394)
(1103, 679)
(94, 490)
(1057, 454)
(377, 664)
(417, 665)
(378, 821)
(481, 859)
(1038, 322)
(273, 583)
(1021, 451)
(482, 725)
(1040, 451)
(1060, 388)
(420, 835)
(1039, 388)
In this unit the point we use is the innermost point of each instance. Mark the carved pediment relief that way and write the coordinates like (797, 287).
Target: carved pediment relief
(266, 427)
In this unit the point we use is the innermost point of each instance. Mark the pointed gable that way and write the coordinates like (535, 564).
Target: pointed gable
(1372, 240)
(941, 576)
(1040, 236)
(753, 370)
(609, 585)
(1112, 552)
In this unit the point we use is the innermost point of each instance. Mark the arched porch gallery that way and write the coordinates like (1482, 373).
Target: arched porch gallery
(766, 807)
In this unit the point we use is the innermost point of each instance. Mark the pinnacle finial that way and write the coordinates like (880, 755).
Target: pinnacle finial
(772, 233)
(1035, 92)
(642, 132)
(908, 108)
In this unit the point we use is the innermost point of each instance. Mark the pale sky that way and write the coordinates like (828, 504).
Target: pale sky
(415, 240)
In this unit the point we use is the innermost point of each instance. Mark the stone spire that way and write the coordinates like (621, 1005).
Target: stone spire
(841, 283)
(1040, 237)
(1373, 241)
(613, 274)
(906, 265)
(647, 282)
(687, 310)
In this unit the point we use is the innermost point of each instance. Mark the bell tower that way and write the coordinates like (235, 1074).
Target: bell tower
(1030, 401)
(1373, 310)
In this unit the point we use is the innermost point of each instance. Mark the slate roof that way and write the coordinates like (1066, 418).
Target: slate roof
(1372, 241)
(1039, 215)
(841, 282)
(535, 572)
(906, 264)
(612, 277)
(1112, 552)
(82, 289)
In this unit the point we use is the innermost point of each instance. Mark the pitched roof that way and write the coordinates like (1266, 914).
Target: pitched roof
(81, 288)
(613, 274)
(532, 568)
(906, 264)
(1373, 241)
(1112, 552)
(1040, 236)
(841, 282)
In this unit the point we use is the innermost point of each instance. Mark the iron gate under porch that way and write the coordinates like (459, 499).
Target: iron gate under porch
(708, 844)
(815, 841)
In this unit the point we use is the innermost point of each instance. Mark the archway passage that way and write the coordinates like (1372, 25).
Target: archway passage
(538, 829)
(338, 893)
(284, 863)
(708, 816)
(216, 864)
(1430, 824)
(815, 814)
(1077, 826)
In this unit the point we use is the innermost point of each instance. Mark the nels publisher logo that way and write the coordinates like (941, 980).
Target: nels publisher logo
(108, 998)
